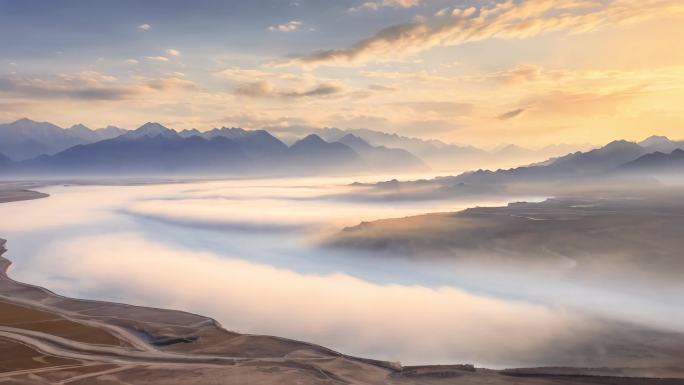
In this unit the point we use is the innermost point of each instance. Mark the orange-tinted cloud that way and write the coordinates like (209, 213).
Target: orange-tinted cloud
(503, 20)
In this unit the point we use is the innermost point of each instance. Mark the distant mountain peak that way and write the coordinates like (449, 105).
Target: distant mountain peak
(354, 141)
(311, 139)
(618, 145)
(23, 122)
(80, 127)
(618, 142)
(151, 129)
(190, 132)
(654, 140)
(510, 146)
(511, 149)
(228, 132)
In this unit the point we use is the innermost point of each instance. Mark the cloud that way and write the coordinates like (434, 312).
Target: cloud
(439, 108)
(260, 89)
(379, 87)
(521, 73)
(263, 119)
(63, 89)
(171, 82)
(173, 52)
(375, 5)
(320, 90)
(250, 75)
(418, 76)
(131, 61)
(287, 27)
(511, 114)
(502, 20)
(570, 101)
(157, 58)
(88, 85)
(265, 89)
(144, 27)
(577, 93)
(268, 84)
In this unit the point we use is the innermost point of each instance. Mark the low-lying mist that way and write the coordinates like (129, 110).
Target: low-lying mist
(250, 254)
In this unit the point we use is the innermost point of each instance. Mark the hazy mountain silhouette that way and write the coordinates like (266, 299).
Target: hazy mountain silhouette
(431, 151)
(382, 157)
(661, 144)
(89, 135)
(140, 155)
(512, 150)
(575, 165)
(231, 133)
(602, 164)
(26, 139)
(49, 139)
(441, 155)
(150, 130)
(654, 140)
(155, 149)
(312, 151)
(259, 144)
(657, 163)
(598, 160)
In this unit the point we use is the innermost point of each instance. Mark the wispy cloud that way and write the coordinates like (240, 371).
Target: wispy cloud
(569, 101)
(157, 58)
(265, 89)
(511, 114)
(173, 52)
(252, 74)
(521, 73)
(87, 85)
(84, 87)
(502, 20)
(144, 27)
(375, 5)
(287, 27)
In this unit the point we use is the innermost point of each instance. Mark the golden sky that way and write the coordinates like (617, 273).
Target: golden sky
(531, 72)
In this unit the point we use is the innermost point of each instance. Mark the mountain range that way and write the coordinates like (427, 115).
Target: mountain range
(153, 149)
(614, 159)
(613, 162)
(657, 163)
(26, 139)
(29, 147)
(445, 156)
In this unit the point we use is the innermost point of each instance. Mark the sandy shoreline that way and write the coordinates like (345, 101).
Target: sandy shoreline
(12, 195)
(54, 339)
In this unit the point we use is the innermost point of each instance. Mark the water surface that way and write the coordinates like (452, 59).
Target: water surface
(247, 253)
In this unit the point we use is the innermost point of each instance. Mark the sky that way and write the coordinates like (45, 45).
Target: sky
(479, 72)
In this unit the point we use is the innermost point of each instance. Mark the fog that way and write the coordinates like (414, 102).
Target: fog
(248, 253)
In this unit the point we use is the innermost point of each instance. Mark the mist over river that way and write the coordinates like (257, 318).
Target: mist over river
(247, 252)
